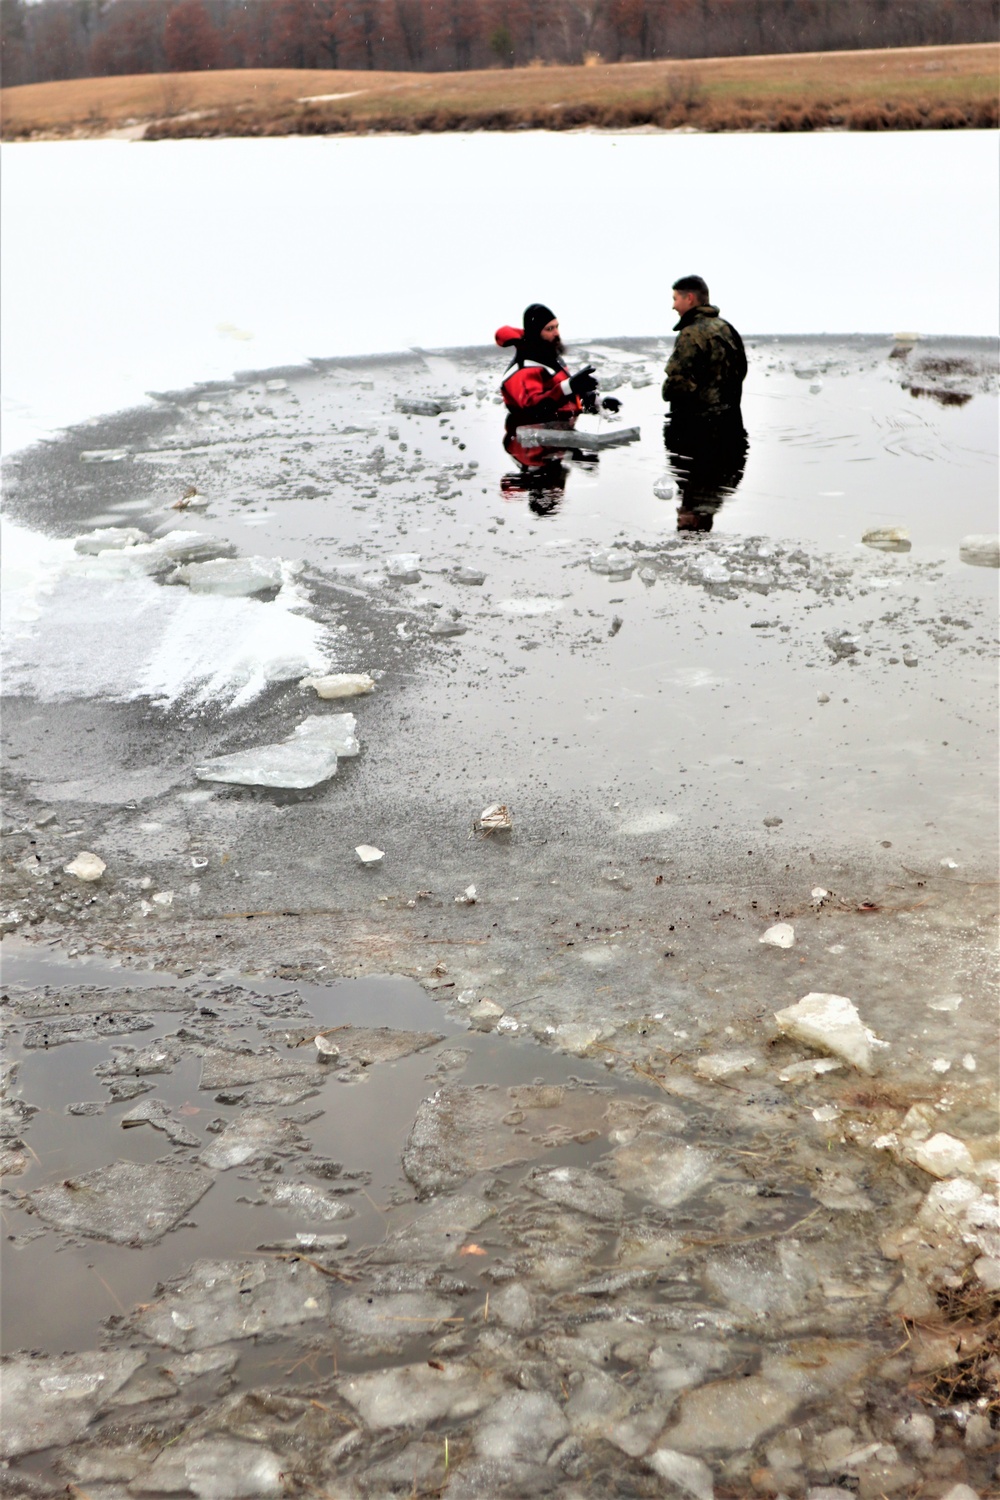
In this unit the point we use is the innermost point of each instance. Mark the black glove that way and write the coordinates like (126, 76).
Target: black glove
(583, 382)
(611, 403)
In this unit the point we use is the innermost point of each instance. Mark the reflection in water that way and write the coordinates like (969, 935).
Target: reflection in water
(541, 473)
(942, 397)
(708, 459)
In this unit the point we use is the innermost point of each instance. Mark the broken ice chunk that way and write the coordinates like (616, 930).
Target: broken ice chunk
(103, 455)
(191, 547)
(716, 1066)
(980, 551)
(495, 818)
(418, 406)
(288, 765)
(691, 1476)
(403, 568)
(110, 539)
(663, 489)
(326, 1052)
(154, 1112)
(215, 1467)
(468, 897)
(416, 1396)
(126, 1202)
(946, 1003)
(561, 437)
(150, 555)
(812, 1067)
(888, 538)
(471, 576)
(368, 854)
(236, 577)
(944, 1156)
(781, 935)
(309, 1202)
(614, 563)
(832, 1024)
(86, 866)
(340, 684)
(48, 1402)
(308, 757)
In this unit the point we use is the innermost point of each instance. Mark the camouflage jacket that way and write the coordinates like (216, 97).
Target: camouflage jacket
(705, 372)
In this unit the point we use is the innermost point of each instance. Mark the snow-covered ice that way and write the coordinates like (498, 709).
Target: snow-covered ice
(168, 644)
(859, 224)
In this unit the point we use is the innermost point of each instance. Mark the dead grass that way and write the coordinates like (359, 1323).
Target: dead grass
(970, 1316)
(905, 88)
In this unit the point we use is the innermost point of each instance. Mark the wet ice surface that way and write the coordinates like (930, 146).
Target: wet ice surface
(672, 1259)
(606, 1282)
(721, 641)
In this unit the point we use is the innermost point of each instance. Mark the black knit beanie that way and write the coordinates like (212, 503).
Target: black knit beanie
(535, 318)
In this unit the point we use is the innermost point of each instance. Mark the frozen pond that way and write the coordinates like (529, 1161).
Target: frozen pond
(574, 1207)
(135, 267)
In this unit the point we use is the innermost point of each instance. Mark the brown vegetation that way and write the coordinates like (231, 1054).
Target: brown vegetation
(969, 1318)
(908, 88)
(45, 40)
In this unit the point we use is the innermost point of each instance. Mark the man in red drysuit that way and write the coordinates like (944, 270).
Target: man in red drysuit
(539, 390)
(538, 387)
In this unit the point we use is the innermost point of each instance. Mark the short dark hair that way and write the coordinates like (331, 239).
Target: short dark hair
(692, 284)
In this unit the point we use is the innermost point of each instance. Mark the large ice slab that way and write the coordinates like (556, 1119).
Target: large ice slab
(128, 1203)
(110, 539)
(108, 553)
(49, 1402)
(561, 437)
(425, 406)
(236, 577)
(307, 757)
(215, 1468)
(218, 1301)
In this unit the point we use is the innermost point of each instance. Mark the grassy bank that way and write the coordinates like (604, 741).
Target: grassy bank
(906, 88)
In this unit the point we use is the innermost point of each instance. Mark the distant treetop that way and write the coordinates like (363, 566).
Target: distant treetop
(41, 40)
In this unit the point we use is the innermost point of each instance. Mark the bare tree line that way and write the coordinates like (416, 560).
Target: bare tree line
(54, 39)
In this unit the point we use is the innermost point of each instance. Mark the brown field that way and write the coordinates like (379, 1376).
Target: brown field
(904, 88)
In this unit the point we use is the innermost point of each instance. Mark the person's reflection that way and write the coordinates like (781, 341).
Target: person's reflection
(707, 459)
(541, 472)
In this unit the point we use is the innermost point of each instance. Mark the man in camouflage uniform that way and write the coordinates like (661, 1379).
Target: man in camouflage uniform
(705, 373)
(704, 434)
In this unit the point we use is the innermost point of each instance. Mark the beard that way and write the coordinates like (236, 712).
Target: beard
(546, 352)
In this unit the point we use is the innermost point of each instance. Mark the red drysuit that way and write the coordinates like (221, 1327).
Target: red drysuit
(534, 392)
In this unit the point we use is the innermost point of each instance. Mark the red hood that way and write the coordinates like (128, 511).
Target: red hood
(506, 335)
